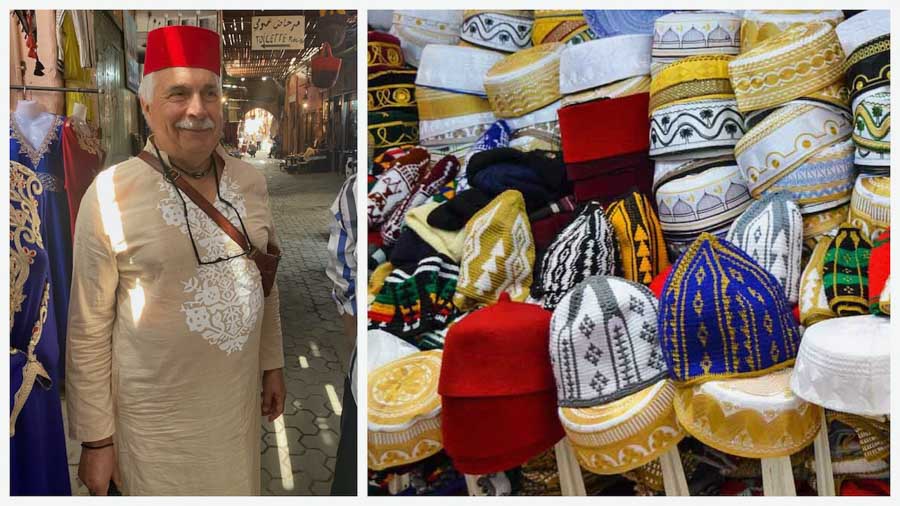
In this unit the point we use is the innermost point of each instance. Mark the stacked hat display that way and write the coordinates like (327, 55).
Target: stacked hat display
(694, 125)
(790, 87)
(634, 235)
(866, 42)
(611, 381)
(603, 124)
(393, 121)
(453, 108)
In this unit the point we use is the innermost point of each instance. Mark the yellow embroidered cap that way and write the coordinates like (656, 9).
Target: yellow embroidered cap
(691, 78)
(625, 434)
(758, 26)
(787, 138)
(524, 81)
(404, 422)
(749, 417)
(790, 65)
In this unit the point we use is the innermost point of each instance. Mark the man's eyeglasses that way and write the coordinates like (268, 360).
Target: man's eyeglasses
(188, 221)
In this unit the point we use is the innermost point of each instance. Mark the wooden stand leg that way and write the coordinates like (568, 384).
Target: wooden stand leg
(472, 484)
(673, 473)
(778, 477)
(570, 481)
(824, 472)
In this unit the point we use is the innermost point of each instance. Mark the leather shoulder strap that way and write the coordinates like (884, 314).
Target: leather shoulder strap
(199, 199)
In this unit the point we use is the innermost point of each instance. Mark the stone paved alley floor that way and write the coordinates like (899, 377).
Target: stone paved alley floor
(298, 451)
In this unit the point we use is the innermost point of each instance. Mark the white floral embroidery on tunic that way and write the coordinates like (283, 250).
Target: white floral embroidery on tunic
(225, 299)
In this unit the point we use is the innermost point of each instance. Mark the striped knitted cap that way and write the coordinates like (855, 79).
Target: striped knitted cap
(603, 342)
(723, 315)
(846, 272)
(640, 238)
(771, 231)
(586, 247)
(498, 253)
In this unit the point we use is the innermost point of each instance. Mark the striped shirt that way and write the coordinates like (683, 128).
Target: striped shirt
(341, 267)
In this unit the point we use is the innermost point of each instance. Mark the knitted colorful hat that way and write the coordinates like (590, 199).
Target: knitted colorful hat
(813, 303)
(749, 417)
(844, 364)
(724, 316)
(429, 183)
(414, 301)
(395, 185)
(587, 247)
(870, 205)
(603, 343)
(404, 411)
(623, 435)
(418, 28)
(846, 270)
(392, 89)
(498, 395)
(384, 52)
(445, 242)
(879, 269)
(498, 253)
(771, 231)
(640, 238)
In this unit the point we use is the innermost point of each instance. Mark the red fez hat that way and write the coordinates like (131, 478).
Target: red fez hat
(182, 46)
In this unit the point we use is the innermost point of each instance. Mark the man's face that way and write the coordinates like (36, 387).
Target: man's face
(185, 114)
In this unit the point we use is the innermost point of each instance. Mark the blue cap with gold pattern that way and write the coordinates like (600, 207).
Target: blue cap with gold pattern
(722, 315)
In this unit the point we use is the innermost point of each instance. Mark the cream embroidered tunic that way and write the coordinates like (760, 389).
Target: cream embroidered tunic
(164, 353)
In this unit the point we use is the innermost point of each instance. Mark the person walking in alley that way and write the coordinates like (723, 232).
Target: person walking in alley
(175, 342)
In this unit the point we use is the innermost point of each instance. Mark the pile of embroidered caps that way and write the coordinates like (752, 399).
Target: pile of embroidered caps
(642, 233)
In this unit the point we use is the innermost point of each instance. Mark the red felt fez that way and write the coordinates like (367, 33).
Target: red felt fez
(182, 46)
(605, 128)
(497, 389)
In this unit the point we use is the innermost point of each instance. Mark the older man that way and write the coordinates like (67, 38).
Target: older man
(171, 336)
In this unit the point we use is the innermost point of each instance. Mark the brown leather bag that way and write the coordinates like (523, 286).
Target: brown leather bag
(267, 262)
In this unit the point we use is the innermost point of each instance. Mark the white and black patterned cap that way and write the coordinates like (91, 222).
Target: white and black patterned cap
(586, 247)
(603, 342)
(771, 231)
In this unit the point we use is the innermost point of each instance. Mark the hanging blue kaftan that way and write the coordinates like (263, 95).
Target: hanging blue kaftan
(37, 444)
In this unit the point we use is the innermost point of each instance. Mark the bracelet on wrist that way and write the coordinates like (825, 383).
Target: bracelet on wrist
(98, 447)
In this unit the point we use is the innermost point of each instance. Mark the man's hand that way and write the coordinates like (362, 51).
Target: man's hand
(98, 466)
(273, 394)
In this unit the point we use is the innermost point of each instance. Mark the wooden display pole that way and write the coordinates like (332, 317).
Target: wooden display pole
(778, 477)
(673, 473)
(472, 484)
(571, 482)
(824, 472)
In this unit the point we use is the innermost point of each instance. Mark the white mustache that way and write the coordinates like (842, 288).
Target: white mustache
(190, 124)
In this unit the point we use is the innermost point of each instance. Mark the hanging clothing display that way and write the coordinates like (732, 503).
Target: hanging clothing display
(37, 444)
(46, 160)
(74, 47)
(82, 160)
(44, 21)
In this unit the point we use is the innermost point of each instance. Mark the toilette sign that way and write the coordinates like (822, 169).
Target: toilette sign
(277, 32)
